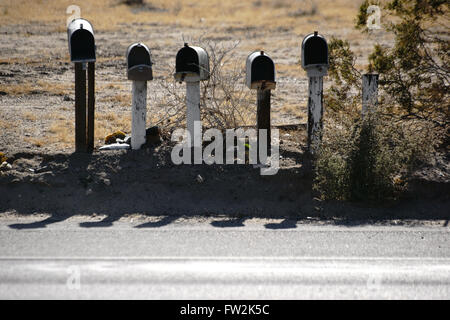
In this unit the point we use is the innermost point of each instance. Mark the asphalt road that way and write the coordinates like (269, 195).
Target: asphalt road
(221, 260)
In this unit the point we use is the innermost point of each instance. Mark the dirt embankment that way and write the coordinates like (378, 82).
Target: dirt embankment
(121, 183)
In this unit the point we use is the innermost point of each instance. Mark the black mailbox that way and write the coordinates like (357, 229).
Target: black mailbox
(139, 63)
(260, 71)
(192, 64)
(315, 55)
(81, 41)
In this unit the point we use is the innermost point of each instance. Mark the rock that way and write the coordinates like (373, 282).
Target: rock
(111, 139)
(5, 166)
(115, 146)
(153, 135)
(126, 140)
(42, 169)
(67, 98)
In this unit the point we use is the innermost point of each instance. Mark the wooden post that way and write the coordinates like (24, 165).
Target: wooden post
(80, 108)
(139, 111)
(91, 107)
(192, 106)
(263, 117)
(369, 92)
(315, 113)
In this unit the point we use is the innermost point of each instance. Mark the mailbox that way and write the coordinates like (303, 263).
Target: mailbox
(139, 63)
(315, 55)
(81, 41)
(260, 71)
(192, 64)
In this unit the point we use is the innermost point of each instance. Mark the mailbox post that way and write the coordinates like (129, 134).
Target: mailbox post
(315, 62)
(260, 75)
(369, 92)
(192, 66)
(82, 52)
(139, 70)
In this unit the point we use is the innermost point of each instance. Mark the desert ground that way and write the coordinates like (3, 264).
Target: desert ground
(37, 112)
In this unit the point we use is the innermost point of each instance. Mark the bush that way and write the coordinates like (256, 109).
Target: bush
(414, 73)
(370, 159)
(225, 101)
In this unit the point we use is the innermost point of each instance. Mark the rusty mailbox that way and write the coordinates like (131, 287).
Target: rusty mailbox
(139, 63)
(192, 64)
(260, 71)
(315, 55)
(81, 41)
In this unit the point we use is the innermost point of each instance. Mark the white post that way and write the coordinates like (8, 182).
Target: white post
(192, 107)
(139, 111)
(315, 113)
(369, 92)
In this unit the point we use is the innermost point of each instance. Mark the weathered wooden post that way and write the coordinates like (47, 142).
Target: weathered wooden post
(91, 107)
(260, 75)
(315, 62)
(139, 70)
(192, 66)
(82, 52)
(369, 92)
(80, 107)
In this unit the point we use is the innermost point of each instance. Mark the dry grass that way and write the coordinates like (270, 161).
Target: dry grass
(108, 14)
(62, 132)
(122, 99)
(30, 116)
(289, 70)
(109, 122)
(292, 109)
(38, 87)
(5, 124)
(37, 142)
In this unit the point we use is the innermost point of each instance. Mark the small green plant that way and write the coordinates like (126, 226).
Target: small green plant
(370, 159)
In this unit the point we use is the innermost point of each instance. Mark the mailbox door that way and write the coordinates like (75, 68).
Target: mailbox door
(263, 69)
(187, 61)
(81, 41)
(260, 68)
(316, 51)
(139, 62)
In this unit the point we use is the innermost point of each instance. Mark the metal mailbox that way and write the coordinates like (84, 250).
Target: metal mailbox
(139, 62)
(192, 64)
(260, 71)
(315, 55)
(81, 41)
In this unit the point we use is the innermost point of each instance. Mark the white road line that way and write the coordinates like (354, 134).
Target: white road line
(225, 258)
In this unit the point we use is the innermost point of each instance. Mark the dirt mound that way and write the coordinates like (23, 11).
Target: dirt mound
(117, 183)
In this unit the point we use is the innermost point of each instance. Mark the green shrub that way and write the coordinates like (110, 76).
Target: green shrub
(370, 159)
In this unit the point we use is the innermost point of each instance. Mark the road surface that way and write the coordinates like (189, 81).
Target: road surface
(216, 259)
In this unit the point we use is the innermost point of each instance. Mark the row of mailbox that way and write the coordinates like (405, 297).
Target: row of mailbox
(192, 63)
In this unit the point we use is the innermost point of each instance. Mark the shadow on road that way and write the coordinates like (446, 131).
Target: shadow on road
(231, 223)
(119, 183)
(161, 223)
(285, 224)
